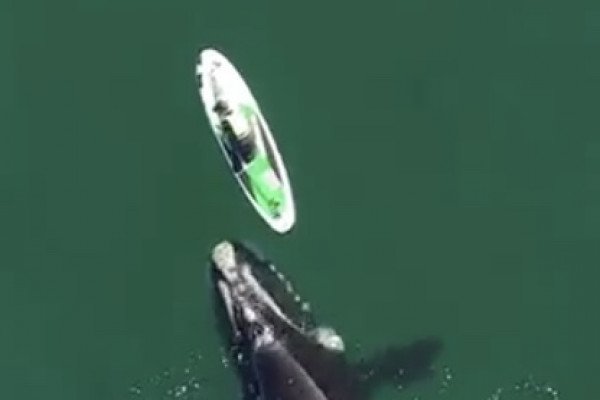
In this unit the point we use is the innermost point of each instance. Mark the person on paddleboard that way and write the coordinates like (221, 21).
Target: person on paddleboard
(238, 130)
(240, 136)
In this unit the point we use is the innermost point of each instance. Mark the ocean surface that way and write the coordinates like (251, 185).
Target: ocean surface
(445, 158)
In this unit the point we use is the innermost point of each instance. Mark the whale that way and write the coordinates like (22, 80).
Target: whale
(278, 349)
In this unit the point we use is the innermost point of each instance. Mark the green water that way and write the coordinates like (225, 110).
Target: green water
(444, 155)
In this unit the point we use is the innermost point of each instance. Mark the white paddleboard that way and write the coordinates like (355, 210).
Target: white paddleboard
(264, 180)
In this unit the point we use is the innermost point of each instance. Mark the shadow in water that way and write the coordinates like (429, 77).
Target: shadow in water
(399, 365)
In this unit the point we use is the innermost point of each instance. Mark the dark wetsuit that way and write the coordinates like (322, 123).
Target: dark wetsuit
(246, 148)
(241, 148)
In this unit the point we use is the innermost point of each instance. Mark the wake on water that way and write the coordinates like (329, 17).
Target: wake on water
(197, 379)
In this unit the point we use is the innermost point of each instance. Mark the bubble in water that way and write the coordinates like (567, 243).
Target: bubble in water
(447, 377)
(171, 383)
(193, 357)
(136, 390)
(496, 394)
(447, 374)
(195, 384)
(225, 361)
(180, 390)
(155, 380)
(528, 388)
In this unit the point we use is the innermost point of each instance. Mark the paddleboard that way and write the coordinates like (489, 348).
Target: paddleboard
(246, 140)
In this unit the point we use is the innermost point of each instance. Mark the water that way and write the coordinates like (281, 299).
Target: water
(444, 157)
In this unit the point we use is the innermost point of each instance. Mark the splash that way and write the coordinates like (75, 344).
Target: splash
(446, 380)
(527, 388)
(184, 383)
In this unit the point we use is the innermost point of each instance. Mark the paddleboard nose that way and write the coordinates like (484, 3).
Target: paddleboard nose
(210, 56)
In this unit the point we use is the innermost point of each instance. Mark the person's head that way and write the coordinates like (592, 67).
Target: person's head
(221, 107)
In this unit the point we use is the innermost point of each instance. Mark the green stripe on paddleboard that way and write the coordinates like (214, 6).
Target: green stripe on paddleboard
(270, 198)
(247, 111)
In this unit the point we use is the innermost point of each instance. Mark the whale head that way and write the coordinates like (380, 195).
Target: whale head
(259, 302)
